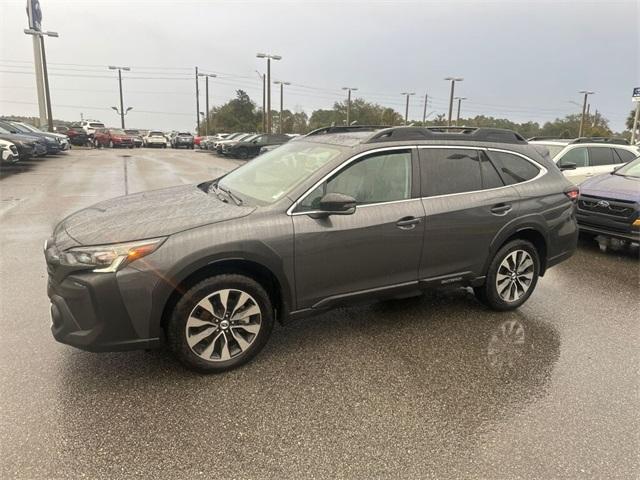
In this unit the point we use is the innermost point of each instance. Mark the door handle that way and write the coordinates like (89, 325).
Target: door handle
(408, 223)
(501, 209)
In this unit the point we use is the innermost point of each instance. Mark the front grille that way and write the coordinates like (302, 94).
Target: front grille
(606, 206)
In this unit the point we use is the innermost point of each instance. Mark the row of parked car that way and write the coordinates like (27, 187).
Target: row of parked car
(243, 145)
(21, 141)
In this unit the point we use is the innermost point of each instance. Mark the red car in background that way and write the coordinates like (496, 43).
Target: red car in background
(196, 139)
(112, 138)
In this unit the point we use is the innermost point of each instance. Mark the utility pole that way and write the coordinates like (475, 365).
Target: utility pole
(406, 108)
(282, 84)
(453, 81)
(206, 86)
(459, 102)
(584, 109)
(197, 103)
(424, 112)
(264, 100)
(349, 90)
(122, 112)
(42, 74)
(269, 57)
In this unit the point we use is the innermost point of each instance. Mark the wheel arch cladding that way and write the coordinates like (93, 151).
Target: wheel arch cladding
(240, 266)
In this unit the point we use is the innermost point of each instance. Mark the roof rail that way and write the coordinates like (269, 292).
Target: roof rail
(345, 129)
(497, 135)
(536, 139)
(614, 140)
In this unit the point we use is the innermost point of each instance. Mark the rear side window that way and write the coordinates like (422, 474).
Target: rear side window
(449, 170)
(513, 168)
(624, 155)
(599, 156)
(490, 176)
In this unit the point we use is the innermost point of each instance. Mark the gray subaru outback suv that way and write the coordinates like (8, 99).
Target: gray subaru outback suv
(346, 214)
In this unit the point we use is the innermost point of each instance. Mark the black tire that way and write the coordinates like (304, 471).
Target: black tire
(488, 293)
(177, 325)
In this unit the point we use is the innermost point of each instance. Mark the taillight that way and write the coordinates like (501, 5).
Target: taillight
(572, 193)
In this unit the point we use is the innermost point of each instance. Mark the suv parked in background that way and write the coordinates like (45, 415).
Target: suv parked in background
(344, 215)
(609, 204)
(182, 139)
(250, 147)
(586, 157)
(155, 138)
(112, 138)
(90, 126)
(77, 135)
(137, 138)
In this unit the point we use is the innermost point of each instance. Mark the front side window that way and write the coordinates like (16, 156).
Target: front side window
(599, 156)
(577, 156)
(377, 178)
(450, 170)
(513, 168)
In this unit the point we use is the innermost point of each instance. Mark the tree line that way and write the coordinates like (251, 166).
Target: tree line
(241, 114)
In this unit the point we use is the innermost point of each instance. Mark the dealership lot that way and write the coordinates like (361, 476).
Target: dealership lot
(436, 386)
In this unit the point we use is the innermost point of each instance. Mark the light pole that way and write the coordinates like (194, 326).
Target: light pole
(406, 108)
(349, 90)
(47, 94)
(424, 112)
(264, 100)
(197, 102)
(269, 57)
(584, 109)
(282, 84)
(453, 81)
(206, 86)
(459, 102)
(122, 112)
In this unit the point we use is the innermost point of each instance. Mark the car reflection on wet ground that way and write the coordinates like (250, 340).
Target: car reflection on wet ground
(430, 387)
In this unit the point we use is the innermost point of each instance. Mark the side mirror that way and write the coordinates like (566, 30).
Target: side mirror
(337, 204)
(567, 166)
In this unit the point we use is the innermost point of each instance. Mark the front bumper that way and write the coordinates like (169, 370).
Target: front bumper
(101, 312)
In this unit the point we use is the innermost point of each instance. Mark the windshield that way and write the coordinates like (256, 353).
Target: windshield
(273, 174)
(249, 138)
(156, 134)
(96, 125)
(20, 128)
(631, 169)
(31, 128)
(131, 132)
(185, 134)
(4, 130)
(117, 131)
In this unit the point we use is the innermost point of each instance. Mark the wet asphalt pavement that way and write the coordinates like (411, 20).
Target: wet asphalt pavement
(429, 387)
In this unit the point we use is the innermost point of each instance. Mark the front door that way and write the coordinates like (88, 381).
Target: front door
(377, 247)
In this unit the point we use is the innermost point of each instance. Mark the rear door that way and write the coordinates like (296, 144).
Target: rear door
(466, 204)
(601, 160)
(375, 249)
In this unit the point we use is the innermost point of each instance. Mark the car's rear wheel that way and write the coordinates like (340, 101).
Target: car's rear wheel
(512, 276)
(220, 323)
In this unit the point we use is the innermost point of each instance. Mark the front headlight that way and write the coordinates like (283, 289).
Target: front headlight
(110, 258)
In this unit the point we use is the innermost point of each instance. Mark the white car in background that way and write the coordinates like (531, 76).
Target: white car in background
(155, 138)
(582, 158)
(8, 152)
(90, 126)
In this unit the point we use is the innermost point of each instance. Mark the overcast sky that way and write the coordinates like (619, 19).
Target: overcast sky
(523, 60)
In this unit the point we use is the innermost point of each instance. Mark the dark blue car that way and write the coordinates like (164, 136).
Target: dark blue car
(609, 204)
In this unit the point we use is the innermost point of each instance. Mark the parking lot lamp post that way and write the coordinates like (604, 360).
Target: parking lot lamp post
(459, 103)
(453, 81)
(269, 57)
(406, 108)
(349, 90)
(584, 109)
(264, 99)
(206, 87)
(282, 84)
(122, 112)
(45, 74)
(424, 111)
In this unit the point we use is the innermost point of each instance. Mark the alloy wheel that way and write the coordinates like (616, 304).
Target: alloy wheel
(515, 275)
(223, 325)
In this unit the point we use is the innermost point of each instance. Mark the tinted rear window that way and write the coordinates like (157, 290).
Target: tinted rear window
(513, 168)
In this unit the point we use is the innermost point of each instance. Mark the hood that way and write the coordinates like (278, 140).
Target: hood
(144, 215)
(612, 186)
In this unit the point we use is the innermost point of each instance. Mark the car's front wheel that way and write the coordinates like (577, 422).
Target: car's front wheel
(512, 276)
(220, 323)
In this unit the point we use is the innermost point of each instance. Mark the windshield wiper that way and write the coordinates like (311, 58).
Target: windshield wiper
(218, 192)
(237, 200)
